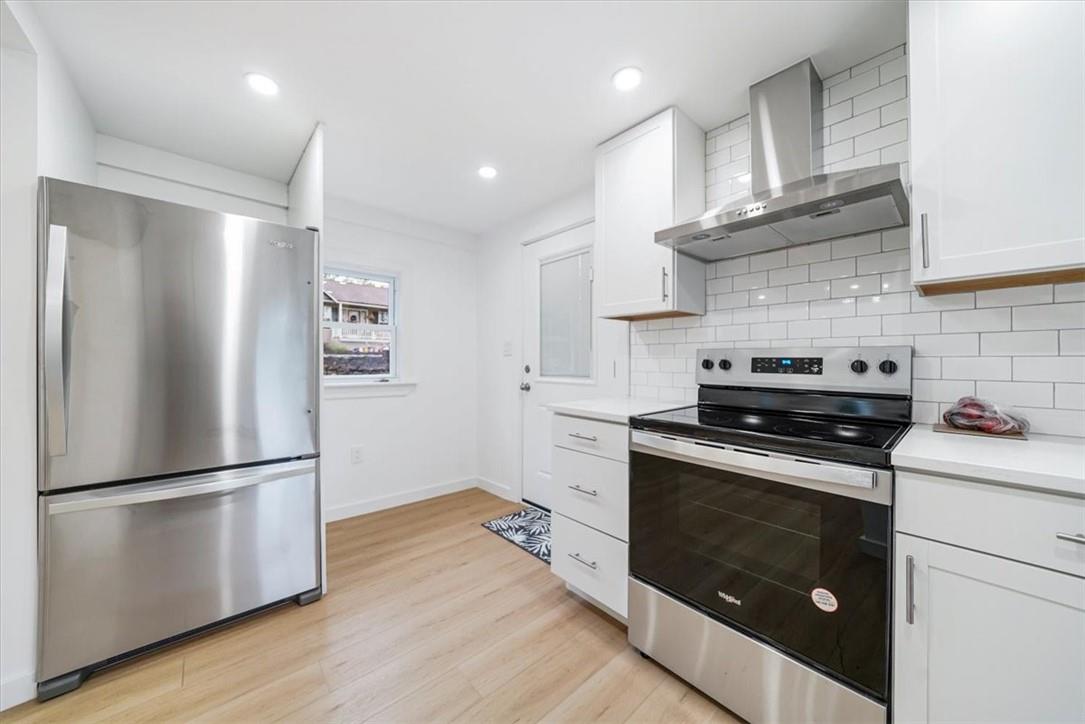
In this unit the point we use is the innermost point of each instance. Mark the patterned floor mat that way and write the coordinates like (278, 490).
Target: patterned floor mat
(528, 528)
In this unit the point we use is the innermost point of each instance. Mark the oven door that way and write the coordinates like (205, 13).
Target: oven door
(793, 551)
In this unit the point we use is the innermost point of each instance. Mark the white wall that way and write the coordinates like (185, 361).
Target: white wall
(46, 131)
(500, 337)
(137, 169)
(18, 591)
(1022, 347)
(65, 128)
(305, 192)
(305, 196)
(417, 440)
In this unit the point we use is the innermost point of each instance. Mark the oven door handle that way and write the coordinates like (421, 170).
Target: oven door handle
(742, 461)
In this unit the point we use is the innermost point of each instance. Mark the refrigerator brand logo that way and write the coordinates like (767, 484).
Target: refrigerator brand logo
(280, 244)
(729, 598)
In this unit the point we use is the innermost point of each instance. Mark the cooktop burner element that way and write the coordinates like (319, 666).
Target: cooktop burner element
(828, 406)
(824, 431)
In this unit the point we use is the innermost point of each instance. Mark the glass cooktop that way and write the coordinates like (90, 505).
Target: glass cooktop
(853, 440)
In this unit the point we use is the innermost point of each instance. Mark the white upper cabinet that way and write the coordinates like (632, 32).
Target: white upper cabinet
(646, 179)
(997, 115)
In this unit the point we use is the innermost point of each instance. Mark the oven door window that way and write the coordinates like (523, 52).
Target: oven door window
(804, 569)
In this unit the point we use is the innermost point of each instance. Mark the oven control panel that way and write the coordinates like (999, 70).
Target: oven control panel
(880, 370)
(786, 365)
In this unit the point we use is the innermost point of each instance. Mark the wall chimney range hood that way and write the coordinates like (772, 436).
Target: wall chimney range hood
(789, 203)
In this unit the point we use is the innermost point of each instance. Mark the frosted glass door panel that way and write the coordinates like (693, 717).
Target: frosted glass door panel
(565, 316)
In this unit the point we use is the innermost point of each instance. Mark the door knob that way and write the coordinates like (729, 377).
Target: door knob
(525, 386)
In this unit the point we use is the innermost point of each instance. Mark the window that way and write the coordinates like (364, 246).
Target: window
(565, 315)
(359, 324)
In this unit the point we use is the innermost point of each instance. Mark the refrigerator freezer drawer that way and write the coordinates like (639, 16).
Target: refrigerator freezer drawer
(132, 565)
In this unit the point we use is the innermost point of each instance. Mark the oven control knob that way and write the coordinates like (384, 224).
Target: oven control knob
(888, 367)
(707, 364)
(859, 367)
(725, 364)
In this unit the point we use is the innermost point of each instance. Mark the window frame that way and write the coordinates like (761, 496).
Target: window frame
(588, 251)
(393, 326)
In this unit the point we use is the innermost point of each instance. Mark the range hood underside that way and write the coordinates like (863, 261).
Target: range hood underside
(827, 206)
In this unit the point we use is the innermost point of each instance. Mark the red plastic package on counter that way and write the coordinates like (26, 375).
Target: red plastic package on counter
(972, 413)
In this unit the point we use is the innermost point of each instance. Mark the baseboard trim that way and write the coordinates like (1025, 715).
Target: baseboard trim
(501, 490)
(372, 505)
(17, 690)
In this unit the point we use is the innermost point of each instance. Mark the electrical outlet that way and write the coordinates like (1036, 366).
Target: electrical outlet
(506, 348)
(355, 454)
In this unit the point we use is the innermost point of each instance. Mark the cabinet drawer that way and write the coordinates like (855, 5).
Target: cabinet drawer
(593, 491)
(1017, 524)
(594, 562)
(608, 439)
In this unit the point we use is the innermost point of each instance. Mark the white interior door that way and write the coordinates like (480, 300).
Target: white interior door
(569, 352)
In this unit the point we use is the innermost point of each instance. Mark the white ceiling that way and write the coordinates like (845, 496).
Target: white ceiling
(416, 96)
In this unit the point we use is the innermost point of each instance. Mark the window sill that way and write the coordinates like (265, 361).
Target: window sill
(344, 389)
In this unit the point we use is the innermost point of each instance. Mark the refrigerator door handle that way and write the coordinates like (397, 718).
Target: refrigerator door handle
(56, 393)
(186, 488)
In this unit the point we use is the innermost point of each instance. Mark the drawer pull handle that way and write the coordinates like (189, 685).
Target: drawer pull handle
(578, 436)
(909, 590)
(577, 488)
(576, 557)
(1072, 537)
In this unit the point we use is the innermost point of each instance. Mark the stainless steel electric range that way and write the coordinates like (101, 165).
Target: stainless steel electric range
(760, 530)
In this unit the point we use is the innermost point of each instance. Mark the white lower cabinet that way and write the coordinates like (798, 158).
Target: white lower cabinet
(605, 439)
(979, 638)
(590, 561)
(1028, 526)
(590, 526)
(592, 490)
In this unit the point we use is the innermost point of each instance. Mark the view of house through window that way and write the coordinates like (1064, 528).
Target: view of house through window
(358, 324)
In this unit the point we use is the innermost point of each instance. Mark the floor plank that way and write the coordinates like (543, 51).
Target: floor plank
(612, 693)
(429, 618)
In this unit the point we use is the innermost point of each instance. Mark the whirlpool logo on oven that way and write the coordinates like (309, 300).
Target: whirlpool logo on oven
(729, 598)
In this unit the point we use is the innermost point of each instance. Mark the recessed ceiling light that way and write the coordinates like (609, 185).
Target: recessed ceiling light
(487, 172)
(262, 84)
(627, 79)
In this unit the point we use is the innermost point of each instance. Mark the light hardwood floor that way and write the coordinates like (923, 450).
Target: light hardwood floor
(430, 617)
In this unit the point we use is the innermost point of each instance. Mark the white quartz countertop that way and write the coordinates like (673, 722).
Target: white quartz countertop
(1047, 462)
(613, 409)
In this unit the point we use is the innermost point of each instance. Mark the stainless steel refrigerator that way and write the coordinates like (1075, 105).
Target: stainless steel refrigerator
(178, 373)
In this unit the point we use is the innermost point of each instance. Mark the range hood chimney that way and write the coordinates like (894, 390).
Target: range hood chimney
(790, 204)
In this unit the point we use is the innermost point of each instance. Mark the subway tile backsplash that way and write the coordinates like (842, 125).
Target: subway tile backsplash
(1023, 348)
